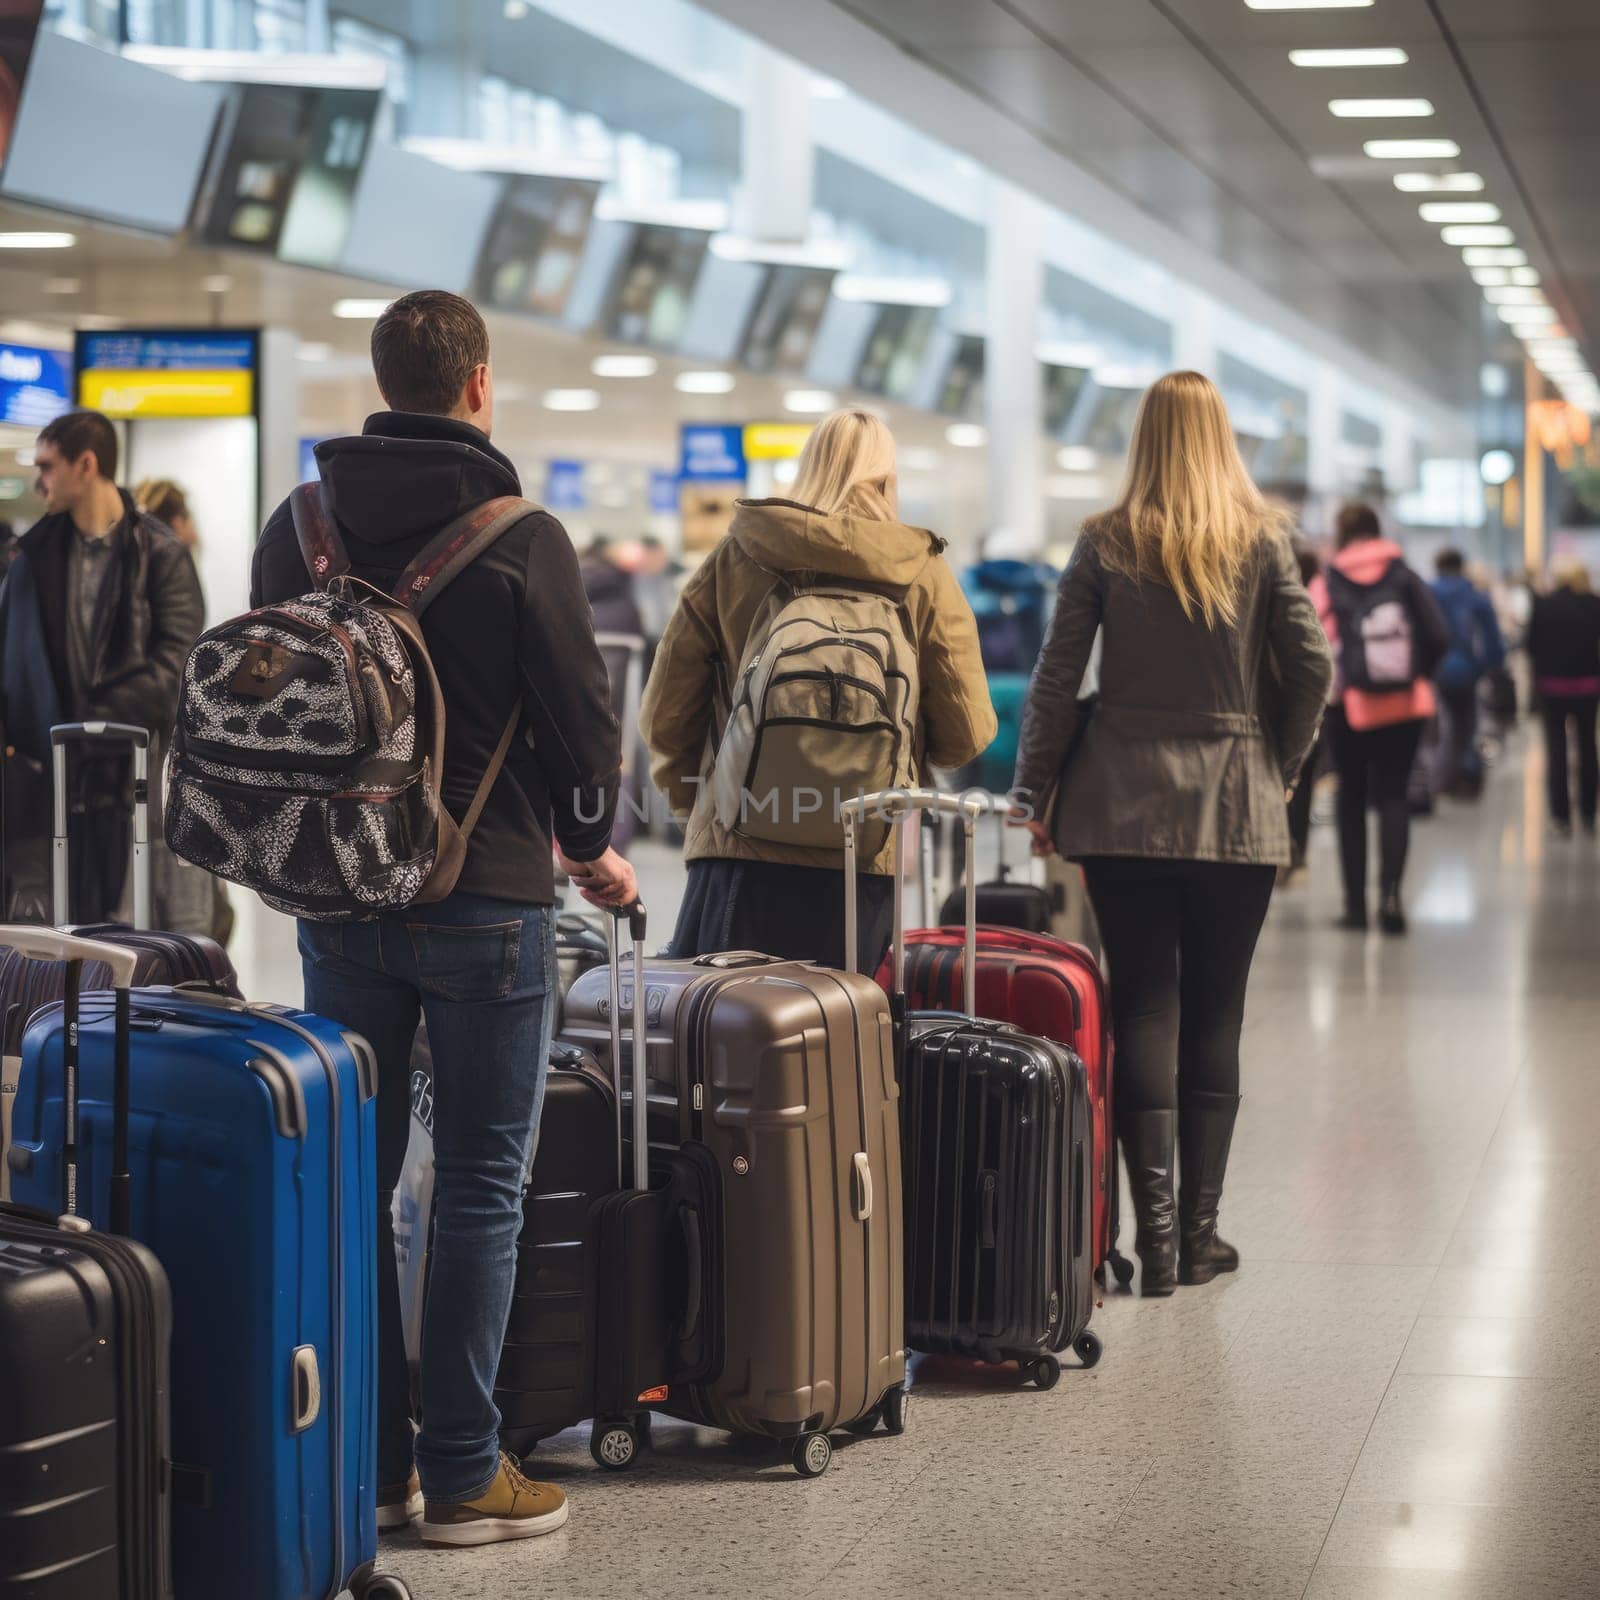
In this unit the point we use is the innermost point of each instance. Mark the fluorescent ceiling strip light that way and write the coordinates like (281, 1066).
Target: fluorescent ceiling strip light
(1514, 296)
(1377, 56)
(1479, 256)
(1412, 149)
(1458, 211)
(619, 364)
(1527, 316)
(1307, 5)
(1440, 183)
(356, 310)
(809, 402)
(1526, 276)
(704, 382)
(571, 400)
(1477, 234)
(37, 240)
(1381, 108)
(1490, 277)
(967, 435)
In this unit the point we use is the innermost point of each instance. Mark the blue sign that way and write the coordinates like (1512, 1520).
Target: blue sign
(182, 350)
(663, 493)
(564, 487)
(309, 470)
(35, 385)
(712, 454)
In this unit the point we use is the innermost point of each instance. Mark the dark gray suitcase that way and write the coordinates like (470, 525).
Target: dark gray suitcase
(86, 1326)
(998, 1143)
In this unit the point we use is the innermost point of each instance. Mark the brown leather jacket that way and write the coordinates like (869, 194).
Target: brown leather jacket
(1197, 731)
(686, 700)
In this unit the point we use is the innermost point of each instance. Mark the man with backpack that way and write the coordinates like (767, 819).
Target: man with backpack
(1475, 649)
(531, 756)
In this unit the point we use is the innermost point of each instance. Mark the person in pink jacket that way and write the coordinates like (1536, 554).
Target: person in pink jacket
(1388, 634)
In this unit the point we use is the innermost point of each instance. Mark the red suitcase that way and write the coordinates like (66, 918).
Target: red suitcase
(1046, 988)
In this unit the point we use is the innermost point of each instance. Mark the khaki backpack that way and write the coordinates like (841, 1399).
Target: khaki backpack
(824, 709)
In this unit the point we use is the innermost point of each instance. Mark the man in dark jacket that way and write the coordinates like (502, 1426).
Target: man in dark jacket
(1475, 648)
(100, 608)
(479, 965)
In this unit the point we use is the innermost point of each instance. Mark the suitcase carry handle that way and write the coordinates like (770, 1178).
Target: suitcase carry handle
(641, 1131)
(116, 735)
(49, 944)
(897, 805)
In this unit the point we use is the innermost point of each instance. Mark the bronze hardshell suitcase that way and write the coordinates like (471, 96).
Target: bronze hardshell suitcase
(785, 1073)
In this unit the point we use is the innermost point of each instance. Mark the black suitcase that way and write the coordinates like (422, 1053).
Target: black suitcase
(162, 959)
(613, 1295)
(1001, 903)
(997, 1157)
(86, 1327)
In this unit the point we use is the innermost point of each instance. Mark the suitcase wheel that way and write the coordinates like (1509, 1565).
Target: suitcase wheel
(812, 1453)
(890, 1411)
(1121, 1267)
(1088, 1347)
(614, 1444)
(387, 1587)
(896, 1403)
(1044, 1372)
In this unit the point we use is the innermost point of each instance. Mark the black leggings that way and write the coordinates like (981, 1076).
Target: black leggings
(1556, 711)
(1179, 937)
(1374, 769)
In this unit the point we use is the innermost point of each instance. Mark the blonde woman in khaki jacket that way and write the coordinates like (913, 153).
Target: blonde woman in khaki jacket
(842, 526)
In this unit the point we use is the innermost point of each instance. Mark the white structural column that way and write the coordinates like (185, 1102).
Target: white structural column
(1324, 431)
(1194, 332)
(1013, 386)
(779, 161)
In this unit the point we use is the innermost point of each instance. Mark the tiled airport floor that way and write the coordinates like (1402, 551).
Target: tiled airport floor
(1398, 1397)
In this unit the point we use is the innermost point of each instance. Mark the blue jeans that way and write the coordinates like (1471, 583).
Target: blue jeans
(482, 973)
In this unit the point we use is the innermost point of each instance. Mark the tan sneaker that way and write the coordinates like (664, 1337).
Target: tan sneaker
(512, 1507)
(399, 1504)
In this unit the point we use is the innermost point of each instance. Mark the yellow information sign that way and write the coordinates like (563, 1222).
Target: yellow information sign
(775, 441)
(182, 393)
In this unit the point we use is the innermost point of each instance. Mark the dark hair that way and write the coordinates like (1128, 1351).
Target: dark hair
(1449, 563)
(73, 432)
(424, 348)
(1356, 521)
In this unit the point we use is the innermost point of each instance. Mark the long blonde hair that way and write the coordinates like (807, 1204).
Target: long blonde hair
(848, 468)
(1189, 512)
(1568, 572)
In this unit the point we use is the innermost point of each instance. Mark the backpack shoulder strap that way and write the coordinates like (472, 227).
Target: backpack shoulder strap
(456, 547)
(321, 548)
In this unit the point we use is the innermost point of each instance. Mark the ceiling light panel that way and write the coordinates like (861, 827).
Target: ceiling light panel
(1307, 5)
(1481, 256)
(1439, 183)
(1379, 56)
(1412, 149)
(1458, 211)
(1477, 234)
(1381, 108)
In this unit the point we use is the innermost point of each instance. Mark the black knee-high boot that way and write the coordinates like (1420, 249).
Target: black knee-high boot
(1205, 1132)
(1148, 1139)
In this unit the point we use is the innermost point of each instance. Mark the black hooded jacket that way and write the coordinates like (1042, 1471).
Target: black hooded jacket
(516, 622)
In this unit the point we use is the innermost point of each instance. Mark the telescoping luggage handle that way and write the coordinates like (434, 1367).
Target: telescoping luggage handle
(641, 1108)
(47, 944)
(897, 805)
(117, 735)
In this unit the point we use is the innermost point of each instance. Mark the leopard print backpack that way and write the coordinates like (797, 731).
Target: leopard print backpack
(309, 746)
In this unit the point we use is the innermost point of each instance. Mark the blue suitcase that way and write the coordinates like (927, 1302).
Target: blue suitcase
(253, 1149)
